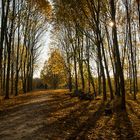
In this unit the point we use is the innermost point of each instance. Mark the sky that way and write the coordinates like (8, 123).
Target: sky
(45, 40)
(44, 51)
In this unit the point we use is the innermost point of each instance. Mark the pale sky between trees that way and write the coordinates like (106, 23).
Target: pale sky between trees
(45, 40)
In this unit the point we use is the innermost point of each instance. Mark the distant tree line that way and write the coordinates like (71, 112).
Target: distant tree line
(54, 73)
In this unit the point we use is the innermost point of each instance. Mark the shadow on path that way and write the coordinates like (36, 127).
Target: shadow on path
(123, 125)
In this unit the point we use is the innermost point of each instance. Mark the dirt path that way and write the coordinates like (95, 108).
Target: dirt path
(53, 115)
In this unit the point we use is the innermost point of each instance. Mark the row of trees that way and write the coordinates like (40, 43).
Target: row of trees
(102, 38)
(22, 24)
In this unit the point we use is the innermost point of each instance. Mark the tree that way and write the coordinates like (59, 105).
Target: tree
(22, 25)
(112, 47)
(54, 71)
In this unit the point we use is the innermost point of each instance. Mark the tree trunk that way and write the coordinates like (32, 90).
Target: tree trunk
(120, 75)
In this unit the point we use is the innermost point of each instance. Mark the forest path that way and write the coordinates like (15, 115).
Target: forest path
(53, 115)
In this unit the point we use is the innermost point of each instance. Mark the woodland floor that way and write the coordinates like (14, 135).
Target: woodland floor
(54, 115)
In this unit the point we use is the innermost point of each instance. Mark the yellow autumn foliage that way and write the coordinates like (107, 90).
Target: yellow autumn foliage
(54, 71)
